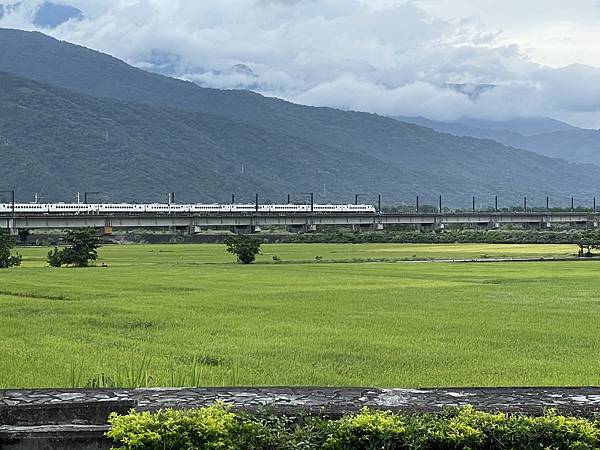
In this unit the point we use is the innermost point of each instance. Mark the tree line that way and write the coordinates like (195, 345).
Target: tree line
(83, 244)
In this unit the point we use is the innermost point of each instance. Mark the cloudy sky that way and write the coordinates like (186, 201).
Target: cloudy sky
(443, 59)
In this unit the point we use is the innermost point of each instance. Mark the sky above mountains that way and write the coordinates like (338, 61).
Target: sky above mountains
(443, 59)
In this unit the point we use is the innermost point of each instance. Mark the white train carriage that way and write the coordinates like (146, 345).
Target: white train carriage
(24, 207)
(69, 208)
(357, 208)
(247, 208)
(164, 208)
(287, 208)
(118, 208)
(205, 208)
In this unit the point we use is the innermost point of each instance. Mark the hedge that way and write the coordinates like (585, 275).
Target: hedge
(217, 427)
(449, 237)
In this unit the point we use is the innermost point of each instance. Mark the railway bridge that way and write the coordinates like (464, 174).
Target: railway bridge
(252, 222)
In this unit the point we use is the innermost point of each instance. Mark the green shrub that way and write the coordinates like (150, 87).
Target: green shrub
(216, 427)
(368, 430)
(213, 427)
(83, 248)
(55, 257)
(245, 248)
(454, 236)
(7, 259)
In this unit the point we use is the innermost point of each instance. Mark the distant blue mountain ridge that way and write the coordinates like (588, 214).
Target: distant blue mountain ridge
(545, 136)
(47, 15)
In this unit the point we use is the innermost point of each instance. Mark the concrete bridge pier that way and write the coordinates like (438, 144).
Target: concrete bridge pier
(244, 229)
(301, 228)
(428, 227)
(179, 229)
(363, 227)
(535, 226)
(493, 225)
(9, 227)
(587, 225)
(482, 226)
(296, 228)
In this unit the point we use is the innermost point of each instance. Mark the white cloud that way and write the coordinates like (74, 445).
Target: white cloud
(385, 56)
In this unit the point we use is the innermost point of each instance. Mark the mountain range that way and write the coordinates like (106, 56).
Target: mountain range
(542, 135)
(45, 14)
(74, 119)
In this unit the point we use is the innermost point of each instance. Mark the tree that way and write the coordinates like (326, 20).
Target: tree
(83, 246)
(55, 257)
(7, 259)
(244, 247)
(23, 235)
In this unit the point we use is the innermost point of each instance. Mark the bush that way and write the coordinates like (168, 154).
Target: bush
(368, 430)
(55, 257)
(83, 248)
(454, 236)
(244, 247)
(217, 427)
(207, 428)
(7, 259)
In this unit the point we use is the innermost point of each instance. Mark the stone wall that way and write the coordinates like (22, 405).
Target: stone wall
(77, 419)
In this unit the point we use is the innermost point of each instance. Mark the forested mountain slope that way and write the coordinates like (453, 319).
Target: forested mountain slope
(175, 135)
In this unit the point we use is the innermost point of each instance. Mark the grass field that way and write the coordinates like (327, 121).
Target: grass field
(170, 315)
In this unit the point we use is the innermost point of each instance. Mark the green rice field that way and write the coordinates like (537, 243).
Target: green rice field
(188, 315)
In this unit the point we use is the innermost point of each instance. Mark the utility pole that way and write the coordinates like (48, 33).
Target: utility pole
(417, 208)
(256, 202)
(547, 203)
(356, 197)
(379, 203)
(312, 200)
(524, 204)
(12, 208)
(232, 199)
(473, 204)
(440, 204)
(496, 203)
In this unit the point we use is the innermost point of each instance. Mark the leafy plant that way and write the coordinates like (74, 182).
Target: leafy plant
(55, 257)
(217, 427)
(83, 248)
(7, 259)
(213, 427)
(582, 238)
(244, 247)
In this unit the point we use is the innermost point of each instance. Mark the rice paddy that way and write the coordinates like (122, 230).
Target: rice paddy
(188, 315)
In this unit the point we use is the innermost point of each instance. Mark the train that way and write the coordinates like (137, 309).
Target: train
(195, 208)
